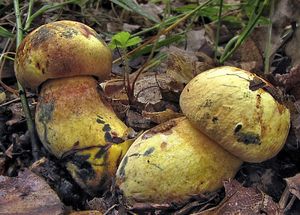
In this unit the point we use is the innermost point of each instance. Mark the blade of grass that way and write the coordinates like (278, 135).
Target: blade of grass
(161, 43)
(44, 9)
(268, 42)
(22, 93)
(5, 33)
(168, 29)
(257, 12)
(131, 5)
(218, 29)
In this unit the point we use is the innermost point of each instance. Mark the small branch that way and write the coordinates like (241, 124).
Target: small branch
(22, 93)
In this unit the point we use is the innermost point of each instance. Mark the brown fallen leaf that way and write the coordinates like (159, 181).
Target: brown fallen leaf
(137, 121)
(195, 39)
(28, 194)
(183, 65)
(149, 88)
(114, 90)
(241, 200)
(290, 79)
(248, 56)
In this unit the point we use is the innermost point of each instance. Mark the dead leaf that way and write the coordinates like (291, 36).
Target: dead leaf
(137, 121)
(130, 28)
(114, 89)
(243, 201)
(162, 116)
(293, 184)
(147, 90)
(28, 194)
(291, 79)
(195, 40)
(248, 56)
(183, 65)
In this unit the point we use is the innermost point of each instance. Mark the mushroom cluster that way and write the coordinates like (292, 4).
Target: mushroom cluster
(63, 59)
(231, 116)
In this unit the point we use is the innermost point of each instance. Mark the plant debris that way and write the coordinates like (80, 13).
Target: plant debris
(28, 194)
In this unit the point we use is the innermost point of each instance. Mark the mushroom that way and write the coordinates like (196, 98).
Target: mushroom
(238, 110)
(73, 120)
(171, 162)
(231, 116)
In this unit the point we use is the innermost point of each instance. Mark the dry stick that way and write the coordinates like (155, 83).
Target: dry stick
(165, 31)
(22, 93)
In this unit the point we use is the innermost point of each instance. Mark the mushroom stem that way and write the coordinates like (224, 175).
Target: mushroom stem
(79, 127)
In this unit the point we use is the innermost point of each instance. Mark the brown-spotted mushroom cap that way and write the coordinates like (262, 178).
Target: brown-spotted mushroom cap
(61, 49)
(238, 110)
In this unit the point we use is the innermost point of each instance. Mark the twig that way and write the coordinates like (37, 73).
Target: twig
(284, 198)
(290, 204)
(13, 101)
(110, 209)
(22, 94)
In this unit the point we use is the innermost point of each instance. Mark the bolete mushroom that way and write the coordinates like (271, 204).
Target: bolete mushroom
(73, 120)
(171, 162)
(238, 110)
(231, 116)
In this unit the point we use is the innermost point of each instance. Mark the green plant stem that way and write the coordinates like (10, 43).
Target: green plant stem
(22, 93)
(246, 32)
(267, 54)
(29, 11)
(218, 29)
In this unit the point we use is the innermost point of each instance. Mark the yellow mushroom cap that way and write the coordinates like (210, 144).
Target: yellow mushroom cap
(61, 49)
(76, 125)
(171, 162)
(238, 110)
